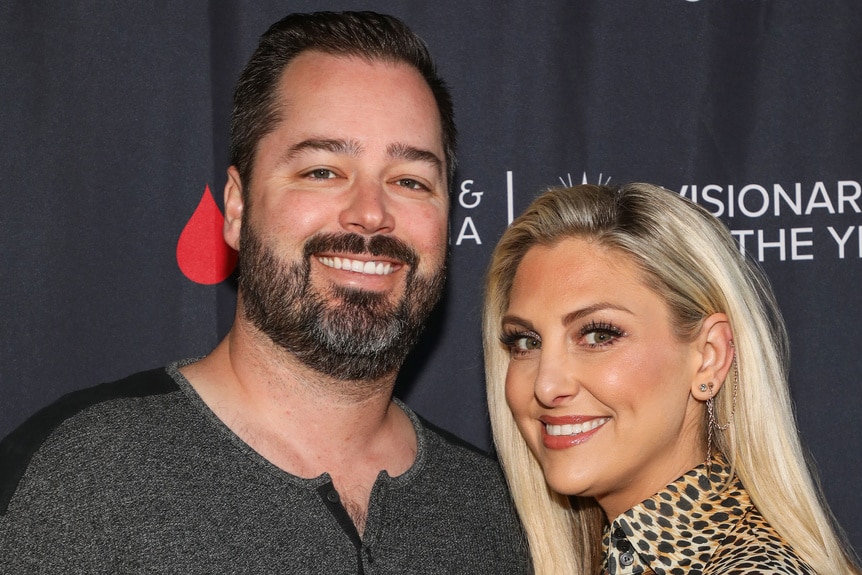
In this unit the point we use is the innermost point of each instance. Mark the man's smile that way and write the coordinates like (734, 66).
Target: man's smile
(379, 268)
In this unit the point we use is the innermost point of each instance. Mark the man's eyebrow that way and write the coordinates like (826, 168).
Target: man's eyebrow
(414, 154)
(335, 146)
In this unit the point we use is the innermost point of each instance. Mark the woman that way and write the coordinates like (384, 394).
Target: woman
(637, 385)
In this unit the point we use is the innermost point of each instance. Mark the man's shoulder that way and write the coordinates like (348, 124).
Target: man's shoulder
(94, 410)
(460, 490)
(461, 465)
(454, 446)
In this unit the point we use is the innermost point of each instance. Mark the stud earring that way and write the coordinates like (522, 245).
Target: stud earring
(703, 387)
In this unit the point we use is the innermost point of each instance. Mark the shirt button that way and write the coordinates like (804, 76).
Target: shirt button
(619, 533)
(627, 559)
(332, 496)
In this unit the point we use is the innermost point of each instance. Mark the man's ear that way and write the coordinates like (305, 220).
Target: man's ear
(233, 207)
(715, 346)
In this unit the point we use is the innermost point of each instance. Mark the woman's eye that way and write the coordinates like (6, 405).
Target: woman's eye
(598, 337)
(600, 334)
(527, 344)
(520, 343)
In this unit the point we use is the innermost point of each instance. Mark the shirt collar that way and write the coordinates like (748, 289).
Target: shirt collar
(680, 526)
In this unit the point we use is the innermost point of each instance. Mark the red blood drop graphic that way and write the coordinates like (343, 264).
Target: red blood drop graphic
(202, 254)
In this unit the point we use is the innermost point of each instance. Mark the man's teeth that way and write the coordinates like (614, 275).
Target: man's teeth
(371, 268)
(576, 428)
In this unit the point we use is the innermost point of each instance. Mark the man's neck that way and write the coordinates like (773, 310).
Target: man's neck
(305, 422)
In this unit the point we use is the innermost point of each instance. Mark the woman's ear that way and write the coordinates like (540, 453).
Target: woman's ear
(233, 206)
(715, 345)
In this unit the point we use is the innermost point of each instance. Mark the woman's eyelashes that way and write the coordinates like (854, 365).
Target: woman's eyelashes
(520, 343)
(599, 334)
(593, 335)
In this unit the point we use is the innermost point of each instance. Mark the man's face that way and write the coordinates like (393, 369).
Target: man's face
(343, 238)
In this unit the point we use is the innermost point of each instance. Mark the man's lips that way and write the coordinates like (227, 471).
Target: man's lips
(367, 267)
(379, 249)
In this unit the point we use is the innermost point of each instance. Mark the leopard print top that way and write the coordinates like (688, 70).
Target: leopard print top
(688, 528)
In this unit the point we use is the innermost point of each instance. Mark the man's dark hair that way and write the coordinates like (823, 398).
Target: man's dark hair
(364, 34)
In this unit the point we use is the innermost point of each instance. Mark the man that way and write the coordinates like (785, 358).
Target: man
(283, 451)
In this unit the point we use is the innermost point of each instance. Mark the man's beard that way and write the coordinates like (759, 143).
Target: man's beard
(346, 333)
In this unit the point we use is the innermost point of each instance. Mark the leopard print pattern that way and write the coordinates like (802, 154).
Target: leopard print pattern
(689, 528)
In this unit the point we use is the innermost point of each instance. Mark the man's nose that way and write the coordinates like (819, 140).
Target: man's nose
(367, 209)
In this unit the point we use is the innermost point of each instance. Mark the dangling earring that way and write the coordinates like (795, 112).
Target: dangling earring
(712, 420)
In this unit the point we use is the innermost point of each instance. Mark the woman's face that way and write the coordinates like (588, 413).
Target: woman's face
(599, 386)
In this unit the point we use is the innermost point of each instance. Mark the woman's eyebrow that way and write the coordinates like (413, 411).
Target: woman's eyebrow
(574, 316)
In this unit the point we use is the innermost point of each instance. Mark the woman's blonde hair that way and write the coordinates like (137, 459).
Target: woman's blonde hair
(689, 258)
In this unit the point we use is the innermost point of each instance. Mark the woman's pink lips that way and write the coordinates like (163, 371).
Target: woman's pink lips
(566, 441)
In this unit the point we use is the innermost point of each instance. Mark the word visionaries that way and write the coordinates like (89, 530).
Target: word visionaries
(755, 201)
(794, 216)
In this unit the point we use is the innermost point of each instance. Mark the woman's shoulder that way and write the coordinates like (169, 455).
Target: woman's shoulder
(754, 547)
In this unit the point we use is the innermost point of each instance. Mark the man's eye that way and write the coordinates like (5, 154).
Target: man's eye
(321, 174)
(412, 184)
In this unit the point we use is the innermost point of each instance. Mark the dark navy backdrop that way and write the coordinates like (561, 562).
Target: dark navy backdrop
(114, 120)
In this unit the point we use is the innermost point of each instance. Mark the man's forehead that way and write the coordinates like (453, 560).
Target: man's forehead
(335, 73)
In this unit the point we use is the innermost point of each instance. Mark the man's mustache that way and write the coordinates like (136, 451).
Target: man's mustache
(350, 243)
